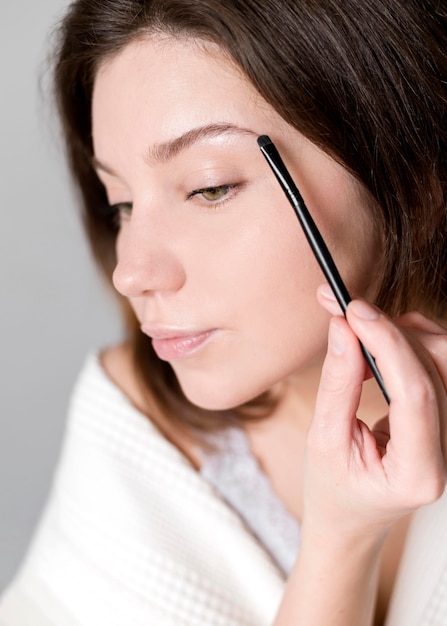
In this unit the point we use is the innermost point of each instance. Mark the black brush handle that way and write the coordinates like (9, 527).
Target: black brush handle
(315, 240)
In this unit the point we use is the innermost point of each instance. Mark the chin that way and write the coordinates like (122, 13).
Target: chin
(214, 400)
(220, 395)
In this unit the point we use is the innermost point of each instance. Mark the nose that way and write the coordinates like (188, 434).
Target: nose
(146, 261)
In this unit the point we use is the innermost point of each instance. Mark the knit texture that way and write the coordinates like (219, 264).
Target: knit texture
(132, 534)
(233, 470)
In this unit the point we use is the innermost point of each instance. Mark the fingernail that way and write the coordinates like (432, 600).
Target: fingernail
(362, 309)
(327, 292)
(336, 340)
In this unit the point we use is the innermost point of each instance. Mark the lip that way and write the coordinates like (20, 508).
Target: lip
(175, 344)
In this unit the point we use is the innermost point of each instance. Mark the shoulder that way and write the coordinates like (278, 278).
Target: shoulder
(117, 364)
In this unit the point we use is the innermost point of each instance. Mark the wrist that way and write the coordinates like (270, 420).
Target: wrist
(343, 564)
(337, 543)
(344, 528)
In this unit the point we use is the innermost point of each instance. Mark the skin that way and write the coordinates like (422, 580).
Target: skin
(233, 260)
(241, 266)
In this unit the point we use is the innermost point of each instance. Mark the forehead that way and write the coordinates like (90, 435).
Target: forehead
(164, 86)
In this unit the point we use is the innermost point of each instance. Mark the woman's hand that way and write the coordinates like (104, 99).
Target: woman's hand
(358, 481)
(358, 478)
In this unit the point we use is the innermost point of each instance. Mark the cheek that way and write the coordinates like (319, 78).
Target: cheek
(357, 252)
(350, 235)
(259, 285)
(266, 290)
(265, 262)
(339, 207)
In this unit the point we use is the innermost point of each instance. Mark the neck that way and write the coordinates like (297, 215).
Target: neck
(278, 442)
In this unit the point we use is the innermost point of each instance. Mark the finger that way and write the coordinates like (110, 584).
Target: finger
(414, 410)
(340, 386)
(431, 336)
(326, 298)
(431, 346)
(418, 321)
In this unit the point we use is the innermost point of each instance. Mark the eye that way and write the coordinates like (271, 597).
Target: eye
(121, 208)
(213, 194)
(117, 212)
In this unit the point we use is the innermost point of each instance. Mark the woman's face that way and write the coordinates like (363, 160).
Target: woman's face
(211, 256)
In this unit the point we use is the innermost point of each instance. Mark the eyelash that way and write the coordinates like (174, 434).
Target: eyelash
(114, 212)
(125, 208)
(219, 201)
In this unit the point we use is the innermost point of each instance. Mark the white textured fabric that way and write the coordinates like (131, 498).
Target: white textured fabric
(232, 468)
(133, 535)
(420, 596)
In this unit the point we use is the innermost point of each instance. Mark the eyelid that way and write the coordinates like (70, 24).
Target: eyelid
(117, 211)
(121, 207)
(121, 210)
(230, 187)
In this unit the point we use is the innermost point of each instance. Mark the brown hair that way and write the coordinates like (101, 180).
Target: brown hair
(366, 80)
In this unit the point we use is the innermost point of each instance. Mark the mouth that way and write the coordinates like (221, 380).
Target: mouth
(173, 345)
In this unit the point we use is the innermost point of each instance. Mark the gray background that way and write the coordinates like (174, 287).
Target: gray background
(54, 308)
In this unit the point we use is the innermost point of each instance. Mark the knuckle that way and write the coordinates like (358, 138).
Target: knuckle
(433, 490)
(395, 336)
(438, 345)
(422, 490)
(335, 382)
(422, 393)
(412, 318)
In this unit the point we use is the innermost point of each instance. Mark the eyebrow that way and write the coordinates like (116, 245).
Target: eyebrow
(163, 152)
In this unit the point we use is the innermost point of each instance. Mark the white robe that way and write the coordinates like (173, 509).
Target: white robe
(132, 535)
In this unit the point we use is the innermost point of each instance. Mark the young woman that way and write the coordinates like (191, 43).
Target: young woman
(237, 439)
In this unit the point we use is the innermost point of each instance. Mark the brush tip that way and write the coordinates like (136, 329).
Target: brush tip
(263, 141)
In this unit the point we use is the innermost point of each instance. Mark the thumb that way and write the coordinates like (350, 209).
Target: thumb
(340, 385)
